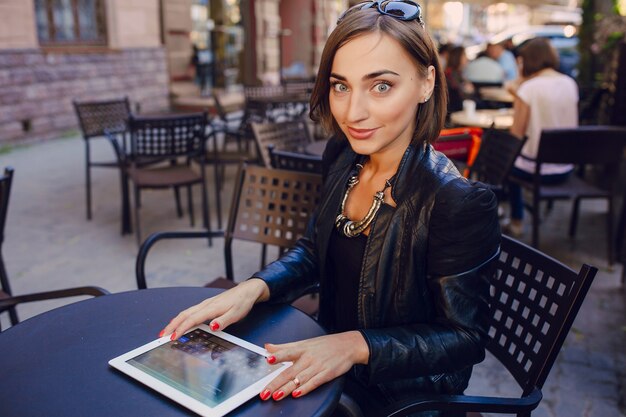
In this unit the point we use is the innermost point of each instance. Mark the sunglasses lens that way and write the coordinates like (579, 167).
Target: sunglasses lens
(400, 9)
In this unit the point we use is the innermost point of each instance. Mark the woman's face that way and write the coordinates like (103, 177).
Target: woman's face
(375, 92)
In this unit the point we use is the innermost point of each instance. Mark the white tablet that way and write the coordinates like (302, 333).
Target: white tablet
(211, 373)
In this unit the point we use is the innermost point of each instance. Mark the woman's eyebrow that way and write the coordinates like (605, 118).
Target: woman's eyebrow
(369, 76)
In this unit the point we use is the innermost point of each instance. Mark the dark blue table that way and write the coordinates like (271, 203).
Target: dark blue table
(56, 363)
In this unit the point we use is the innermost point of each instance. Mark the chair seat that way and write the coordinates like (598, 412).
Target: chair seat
(177, 175)
(574, 187)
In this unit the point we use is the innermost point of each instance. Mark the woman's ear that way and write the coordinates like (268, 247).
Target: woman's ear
(429, 85)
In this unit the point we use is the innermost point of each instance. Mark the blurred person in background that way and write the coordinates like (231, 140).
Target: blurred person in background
(484, 70)
(505, 58)
(545, 99)
(459, 88)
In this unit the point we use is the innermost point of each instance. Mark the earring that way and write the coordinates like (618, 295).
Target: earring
(426, 99)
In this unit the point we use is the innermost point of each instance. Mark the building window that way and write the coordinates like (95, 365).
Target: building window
(70, 22)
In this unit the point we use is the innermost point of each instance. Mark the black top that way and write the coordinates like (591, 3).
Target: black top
(346, 257)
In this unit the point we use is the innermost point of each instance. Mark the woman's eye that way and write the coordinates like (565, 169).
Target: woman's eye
(382, 87)
(339, 87)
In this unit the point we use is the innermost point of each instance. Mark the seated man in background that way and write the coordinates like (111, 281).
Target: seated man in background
(484, 70)
(505, 58)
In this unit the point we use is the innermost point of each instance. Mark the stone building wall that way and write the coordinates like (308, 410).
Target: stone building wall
(37, 87)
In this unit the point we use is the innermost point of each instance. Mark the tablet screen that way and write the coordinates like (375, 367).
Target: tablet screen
(204, 366)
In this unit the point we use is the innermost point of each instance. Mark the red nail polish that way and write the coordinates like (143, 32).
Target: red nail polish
(271, 359)
(296, 393)
(162, 333)
(215, 326)
(278, 395)
(265, 394)
(173, 336)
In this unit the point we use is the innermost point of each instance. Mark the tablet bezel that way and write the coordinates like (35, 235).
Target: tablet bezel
(120, 363)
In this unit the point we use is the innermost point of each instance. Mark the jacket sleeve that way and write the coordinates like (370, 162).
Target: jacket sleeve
(463, 240)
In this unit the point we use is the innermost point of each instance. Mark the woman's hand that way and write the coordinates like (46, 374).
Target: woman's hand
(223, 310)
(315, 362)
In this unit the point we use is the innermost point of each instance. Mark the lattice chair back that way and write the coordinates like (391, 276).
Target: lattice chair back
(270, 206)
(167, 136)
(534, 301)
(290, 136)
(96, 116)
(293, 161)
(495, 158)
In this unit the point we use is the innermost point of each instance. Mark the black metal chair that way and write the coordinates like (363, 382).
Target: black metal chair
(269, 206)
(534, 300)
(495, 158)
(93, 118)
(293, 161)
(290, 136)
(162, 149)
(8, 301)
(599, 146)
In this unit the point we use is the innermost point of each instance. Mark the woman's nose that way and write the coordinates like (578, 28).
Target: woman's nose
(357, 108)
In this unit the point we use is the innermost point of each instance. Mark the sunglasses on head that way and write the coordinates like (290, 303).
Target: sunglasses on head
(399, 9)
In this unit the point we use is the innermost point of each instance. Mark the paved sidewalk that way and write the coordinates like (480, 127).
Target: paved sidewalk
(49, 244)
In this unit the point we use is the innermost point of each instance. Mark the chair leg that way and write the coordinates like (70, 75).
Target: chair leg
(4, 285)
(192, 220)
(536, 220)
(179, 208)
(137, 224)
(573, 223)
(127, 227)
(218, 198)
(206, 215)
(88, 179)
(609, 234)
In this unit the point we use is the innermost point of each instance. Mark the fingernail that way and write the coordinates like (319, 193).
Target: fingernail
(265, 394)
(215, 326)
(162, 333)
(173, 336)
(296, 393)
(278, 395)
(271, 359)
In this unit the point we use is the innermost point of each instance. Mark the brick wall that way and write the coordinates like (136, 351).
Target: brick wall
(37, 88)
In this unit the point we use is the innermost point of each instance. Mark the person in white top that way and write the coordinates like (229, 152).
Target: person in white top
(545, 99)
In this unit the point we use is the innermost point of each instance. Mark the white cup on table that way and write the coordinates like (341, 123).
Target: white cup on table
(469, 107)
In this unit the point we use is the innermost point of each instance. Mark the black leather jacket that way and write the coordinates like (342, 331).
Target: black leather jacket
(423, 289)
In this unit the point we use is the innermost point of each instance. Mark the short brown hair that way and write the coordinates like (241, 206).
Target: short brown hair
(538, 54)
(415, 41)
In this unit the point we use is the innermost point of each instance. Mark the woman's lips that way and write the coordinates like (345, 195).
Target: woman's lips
(361, 134)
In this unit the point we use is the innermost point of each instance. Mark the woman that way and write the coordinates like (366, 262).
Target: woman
(403, 279)
(459, 88)
(545, 99)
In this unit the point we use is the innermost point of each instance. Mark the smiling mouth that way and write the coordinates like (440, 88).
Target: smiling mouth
(361, 133)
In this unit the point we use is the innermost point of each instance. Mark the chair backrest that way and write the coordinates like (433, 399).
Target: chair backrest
(5, 193)
(293, 161)
(284, 136)
(167, 136)
(582, 145)
(96, 116)
(534, 301)
(456, 147)
(270, 206)
(496, 156)
(253, 91)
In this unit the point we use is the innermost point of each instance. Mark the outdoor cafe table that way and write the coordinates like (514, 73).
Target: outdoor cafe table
(56, 363)
(497, 94)
(500, 118)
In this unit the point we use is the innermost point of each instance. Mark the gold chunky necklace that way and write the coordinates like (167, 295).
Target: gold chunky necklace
(351, 228)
